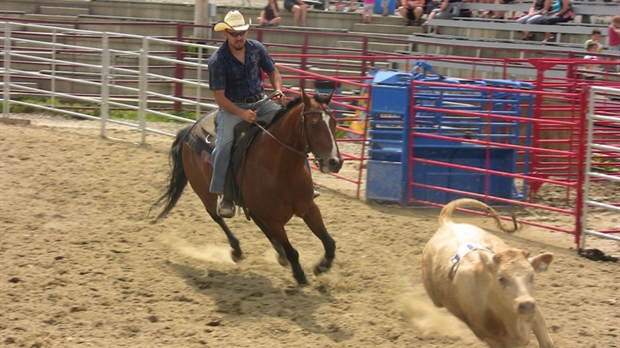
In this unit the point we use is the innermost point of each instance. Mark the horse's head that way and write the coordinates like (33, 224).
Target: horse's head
(319, 124)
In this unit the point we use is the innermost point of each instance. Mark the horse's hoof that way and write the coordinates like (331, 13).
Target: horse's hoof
(237, 255)
(283, 261)
(301, 279)
(322, 267)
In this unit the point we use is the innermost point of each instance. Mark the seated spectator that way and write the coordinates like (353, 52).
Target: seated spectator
(352, 6)
(595, 37)
(561, 12)
(534, 16)
(270, 15)
(592, 49)
(412, 11)
(446, 10)
(614, 38)
(367, 10)
(614, 35)
(497, 14)
(385, 6)
(299, 9)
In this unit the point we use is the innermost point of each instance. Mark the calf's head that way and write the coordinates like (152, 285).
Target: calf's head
(512, 277)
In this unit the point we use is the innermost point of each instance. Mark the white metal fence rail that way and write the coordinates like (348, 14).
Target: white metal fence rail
(596, 94)
(46, 45)
(132, 80)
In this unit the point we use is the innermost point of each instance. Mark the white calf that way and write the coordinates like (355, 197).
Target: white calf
(483, 282)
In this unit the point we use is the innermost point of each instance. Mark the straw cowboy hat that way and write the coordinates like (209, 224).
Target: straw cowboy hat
(233, 21)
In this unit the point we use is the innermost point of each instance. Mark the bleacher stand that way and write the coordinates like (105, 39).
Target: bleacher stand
(447, 10)
(576, 32)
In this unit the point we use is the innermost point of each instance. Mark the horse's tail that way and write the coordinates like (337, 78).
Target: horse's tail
(177, 178)
(446, 213)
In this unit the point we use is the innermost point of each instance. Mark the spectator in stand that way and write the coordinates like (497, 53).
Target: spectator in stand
(412, 11)
(614, 39)
(446, 10)
(534, 16)
(352, 6)
(497, 14)
(299, 9)
(614, 35)
(367, 10)
(595, 37)
(561, 12)
(385, 6)
(270, 15)
(592, 49)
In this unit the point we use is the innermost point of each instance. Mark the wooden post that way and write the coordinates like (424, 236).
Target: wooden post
(201, 17)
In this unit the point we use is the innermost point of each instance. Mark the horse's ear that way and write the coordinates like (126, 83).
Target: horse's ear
(328, 98)
(305, 97)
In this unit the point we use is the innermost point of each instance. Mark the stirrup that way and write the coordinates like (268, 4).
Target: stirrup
(315, 192)
(225, 209)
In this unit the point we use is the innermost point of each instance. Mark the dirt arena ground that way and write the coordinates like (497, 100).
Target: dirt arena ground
(83, 266)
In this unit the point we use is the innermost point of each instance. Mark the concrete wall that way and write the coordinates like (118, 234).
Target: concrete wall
(184, 12)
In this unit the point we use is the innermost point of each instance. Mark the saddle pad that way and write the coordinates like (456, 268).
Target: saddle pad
(202, 135)
(206, 126)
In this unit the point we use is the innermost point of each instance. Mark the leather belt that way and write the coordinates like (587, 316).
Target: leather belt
(252, 99)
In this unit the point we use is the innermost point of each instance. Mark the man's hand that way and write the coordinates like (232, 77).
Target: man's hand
(248, 115)
(281, 97)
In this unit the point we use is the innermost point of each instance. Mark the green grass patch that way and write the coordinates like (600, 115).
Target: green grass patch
(87, 109)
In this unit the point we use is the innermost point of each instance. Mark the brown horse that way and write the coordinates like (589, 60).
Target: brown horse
(273, 179)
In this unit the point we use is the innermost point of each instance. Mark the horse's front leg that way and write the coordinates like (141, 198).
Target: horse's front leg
(314, 220)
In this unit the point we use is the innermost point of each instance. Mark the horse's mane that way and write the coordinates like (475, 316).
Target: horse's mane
(320, 98)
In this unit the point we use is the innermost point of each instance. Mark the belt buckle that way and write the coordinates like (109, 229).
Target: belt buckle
(252, 99)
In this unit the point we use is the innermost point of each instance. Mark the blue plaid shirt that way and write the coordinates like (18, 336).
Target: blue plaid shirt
(237, 80)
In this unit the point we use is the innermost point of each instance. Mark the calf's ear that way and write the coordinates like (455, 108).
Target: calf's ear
(541, 262)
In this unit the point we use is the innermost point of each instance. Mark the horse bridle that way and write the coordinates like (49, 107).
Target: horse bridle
(303, 122)
(304, 134)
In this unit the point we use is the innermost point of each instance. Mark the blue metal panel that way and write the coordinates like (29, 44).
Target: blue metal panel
(389, 136)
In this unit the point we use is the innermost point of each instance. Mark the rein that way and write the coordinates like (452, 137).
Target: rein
(281, 143)
(303, 129)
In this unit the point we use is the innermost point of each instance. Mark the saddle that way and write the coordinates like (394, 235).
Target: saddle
(201, 139)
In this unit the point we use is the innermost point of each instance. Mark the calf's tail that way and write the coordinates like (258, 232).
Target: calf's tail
(446, 213)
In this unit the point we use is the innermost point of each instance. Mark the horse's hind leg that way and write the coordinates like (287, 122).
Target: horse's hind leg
(199, 176)
(282, 260)
(314, 220)
(237, 254)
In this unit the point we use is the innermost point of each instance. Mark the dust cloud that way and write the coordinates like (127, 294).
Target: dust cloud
(431, 322)
(209, 253)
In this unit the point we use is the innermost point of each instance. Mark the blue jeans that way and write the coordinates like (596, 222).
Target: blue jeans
(535, 19)
(453, 9)
(226, 123)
